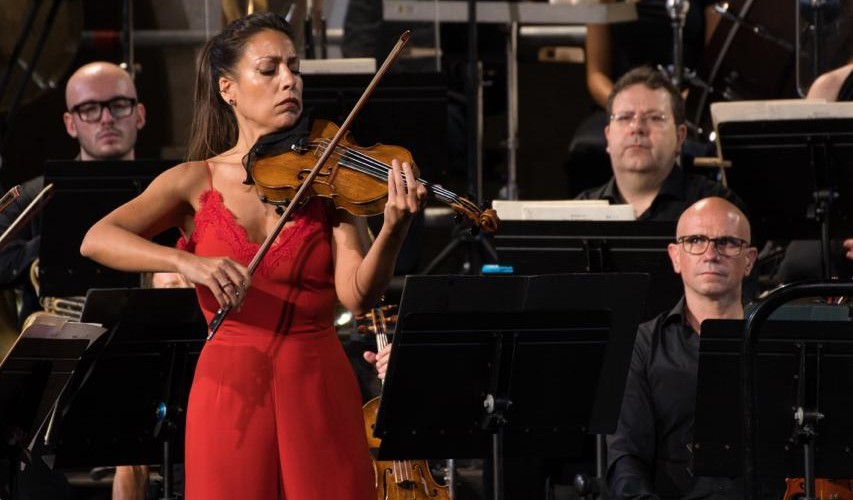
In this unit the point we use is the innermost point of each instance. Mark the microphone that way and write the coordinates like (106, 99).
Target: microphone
(10, 196)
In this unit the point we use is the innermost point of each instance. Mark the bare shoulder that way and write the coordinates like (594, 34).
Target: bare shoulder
(188, 170)
(188, 178)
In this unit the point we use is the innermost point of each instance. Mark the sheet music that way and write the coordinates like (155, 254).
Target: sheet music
(48, 326)
(456, 11)
(778, 110)
(562, 210)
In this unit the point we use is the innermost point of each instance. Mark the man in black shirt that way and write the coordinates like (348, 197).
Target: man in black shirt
(644, 137)
(648, 456)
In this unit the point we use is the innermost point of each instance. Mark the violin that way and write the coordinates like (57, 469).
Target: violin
(825, 489)
(322, 178)
(355, 178)
(397, 479)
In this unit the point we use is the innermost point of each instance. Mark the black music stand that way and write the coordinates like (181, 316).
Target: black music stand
(128, 405)
(540, 247)
(805, 364)
(546, 355)
(794, 175)
(89, 190)
(32, 375)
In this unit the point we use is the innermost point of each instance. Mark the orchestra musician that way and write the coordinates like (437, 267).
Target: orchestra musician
(648, 456)
(274, 408)
(104, 116)
(644, 137)
(613, 50)
(645, 134)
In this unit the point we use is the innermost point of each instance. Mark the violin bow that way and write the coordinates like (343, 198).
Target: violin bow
(222, 312)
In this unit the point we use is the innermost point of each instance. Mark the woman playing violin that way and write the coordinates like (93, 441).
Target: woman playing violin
(274, 410)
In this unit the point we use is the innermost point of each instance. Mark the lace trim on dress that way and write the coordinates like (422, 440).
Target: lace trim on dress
(214, 216)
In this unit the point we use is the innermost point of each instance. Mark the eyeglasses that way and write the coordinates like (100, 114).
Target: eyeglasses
(91, 111)
(697, 244)
(653, 119)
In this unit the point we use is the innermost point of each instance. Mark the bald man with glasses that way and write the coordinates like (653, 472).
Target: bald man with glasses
(103, 112)
(648, 456)
(104, 115)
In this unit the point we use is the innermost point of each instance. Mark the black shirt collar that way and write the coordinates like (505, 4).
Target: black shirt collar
(672, 187)
(677, 314)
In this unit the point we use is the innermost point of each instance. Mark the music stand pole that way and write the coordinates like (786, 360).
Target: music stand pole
(475, 170)
(817, 14)
(748, 386)
(677, 10)
(823, 204)
(166, 424)
(805, 433)
(495, 422)
(512, 111)
(474, 96)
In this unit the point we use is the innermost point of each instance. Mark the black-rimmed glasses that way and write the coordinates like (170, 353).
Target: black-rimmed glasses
(697, 244)
(91, 111)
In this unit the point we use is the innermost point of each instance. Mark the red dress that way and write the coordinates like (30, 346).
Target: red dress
(274, 411)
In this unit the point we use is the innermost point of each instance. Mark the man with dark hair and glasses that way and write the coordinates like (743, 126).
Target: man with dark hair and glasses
(645, 133)
(649, 456)
(103, 114)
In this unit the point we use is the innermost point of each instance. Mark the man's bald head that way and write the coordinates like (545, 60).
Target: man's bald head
(713, 252)
(97, 74)
(105, 86)
(714, 209)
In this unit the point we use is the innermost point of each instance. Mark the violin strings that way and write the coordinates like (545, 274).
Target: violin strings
(379, 170)
(363, 163)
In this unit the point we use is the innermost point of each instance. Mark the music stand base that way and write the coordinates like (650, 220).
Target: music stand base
(477, 247)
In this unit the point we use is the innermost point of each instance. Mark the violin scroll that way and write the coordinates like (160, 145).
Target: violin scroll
(486, 219)
(489, 221)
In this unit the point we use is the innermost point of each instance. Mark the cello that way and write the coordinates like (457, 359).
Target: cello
(825, 489)
(395, 479)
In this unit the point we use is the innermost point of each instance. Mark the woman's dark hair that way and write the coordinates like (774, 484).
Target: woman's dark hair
(214, 126)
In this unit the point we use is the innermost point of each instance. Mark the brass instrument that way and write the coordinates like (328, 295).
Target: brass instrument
(66, 307)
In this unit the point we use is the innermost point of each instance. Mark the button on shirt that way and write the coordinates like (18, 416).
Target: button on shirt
(648, 456)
